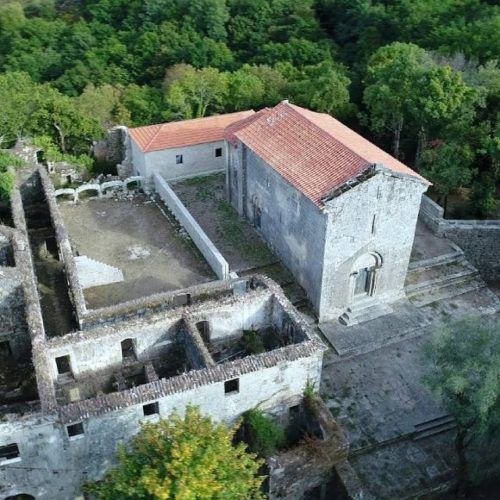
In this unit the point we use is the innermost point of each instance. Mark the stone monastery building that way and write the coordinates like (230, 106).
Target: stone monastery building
(78, 377)
(338, 211)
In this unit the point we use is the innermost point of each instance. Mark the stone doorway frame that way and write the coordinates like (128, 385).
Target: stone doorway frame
(372, 262)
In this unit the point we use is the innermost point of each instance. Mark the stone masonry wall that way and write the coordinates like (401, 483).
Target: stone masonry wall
(290, 223)
(379, 217)
(479, 239)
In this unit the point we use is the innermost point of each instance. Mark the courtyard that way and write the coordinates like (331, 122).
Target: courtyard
(138, 237)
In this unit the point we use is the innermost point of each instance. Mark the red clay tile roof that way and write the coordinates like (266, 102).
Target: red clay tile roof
(312, 151)
(185, 133)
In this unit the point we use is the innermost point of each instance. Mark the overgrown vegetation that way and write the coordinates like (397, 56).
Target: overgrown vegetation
(465, 357)
(262, 434)
(182, 457)
(252, 343)
(7, 178)
(423, 75)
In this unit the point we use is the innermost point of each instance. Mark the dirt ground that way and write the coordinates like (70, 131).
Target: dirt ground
(235, 238)
(138, 237)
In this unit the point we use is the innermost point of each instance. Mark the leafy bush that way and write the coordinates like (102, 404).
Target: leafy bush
(263, 436)
(7, 179)
(252, 343)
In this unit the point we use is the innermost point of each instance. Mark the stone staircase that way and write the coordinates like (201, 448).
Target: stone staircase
(94, 273)
(364, 309)
(433, 427)
(442, 277)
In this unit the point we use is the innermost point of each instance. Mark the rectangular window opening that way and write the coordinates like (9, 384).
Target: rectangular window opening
(232, 386)
(5, 350)
(75, 429)
(218, 152)
(63, 365)
(128, 351)
(151, 409)
(9, 452)
(179, 159)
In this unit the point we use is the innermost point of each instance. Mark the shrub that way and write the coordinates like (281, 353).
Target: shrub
(252, 343)
(263, 436)
(7, 178)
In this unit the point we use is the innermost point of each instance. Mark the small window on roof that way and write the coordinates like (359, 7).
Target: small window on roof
(218, 152)
(179, 159)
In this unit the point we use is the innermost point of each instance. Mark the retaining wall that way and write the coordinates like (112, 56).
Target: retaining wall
(479, 239)
(217, 262)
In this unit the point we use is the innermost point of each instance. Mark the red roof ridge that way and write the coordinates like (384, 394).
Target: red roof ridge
(314, 152)
(394, 163)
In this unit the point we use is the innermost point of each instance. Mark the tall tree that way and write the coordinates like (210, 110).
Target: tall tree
(465, 374)
(449, 167)
(182, 458)
(191, 93)
(391, 77)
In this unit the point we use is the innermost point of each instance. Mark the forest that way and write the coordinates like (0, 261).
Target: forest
(420, 78)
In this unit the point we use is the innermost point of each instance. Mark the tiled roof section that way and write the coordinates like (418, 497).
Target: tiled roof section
(356, 142)
(312, 151)
(185, 133)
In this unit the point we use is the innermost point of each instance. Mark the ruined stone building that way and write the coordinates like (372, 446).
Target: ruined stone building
(101, 329)
(73, 387)
(338, 211)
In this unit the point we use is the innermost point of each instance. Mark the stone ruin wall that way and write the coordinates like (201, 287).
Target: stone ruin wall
(479, 239)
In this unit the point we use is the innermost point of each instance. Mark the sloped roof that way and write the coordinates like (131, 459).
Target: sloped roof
(313, 151)
(185, 133)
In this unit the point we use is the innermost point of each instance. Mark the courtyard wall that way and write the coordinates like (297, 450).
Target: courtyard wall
(479, 239)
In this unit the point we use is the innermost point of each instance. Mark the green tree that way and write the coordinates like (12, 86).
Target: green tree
(323, 88)
(57, 116)
(443, 105)
(449, 167)
(465, 374)
(245, 90)
(192, 93)
(182, 458)
(391, 77)
(104, 104)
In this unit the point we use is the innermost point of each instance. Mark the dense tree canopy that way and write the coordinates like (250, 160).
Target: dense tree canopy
(405, 73)
(183, 458)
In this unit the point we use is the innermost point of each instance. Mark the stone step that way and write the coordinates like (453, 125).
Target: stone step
(447, 292)
(434, 422)
(434, 427)
(449, 258)
(365, 312)
(437, 283)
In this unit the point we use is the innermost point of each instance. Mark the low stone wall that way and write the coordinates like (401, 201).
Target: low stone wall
(479, 239)
(64, 247)
(33, 312)
(217, 262)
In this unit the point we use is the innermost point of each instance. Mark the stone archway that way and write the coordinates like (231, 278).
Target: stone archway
(363, 277)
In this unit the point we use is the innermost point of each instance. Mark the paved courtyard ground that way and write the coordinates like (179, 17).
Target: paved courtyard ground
(137, 236)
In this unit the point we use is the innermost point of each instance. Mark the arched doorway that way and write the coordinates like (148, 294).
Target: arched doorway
(364, 275)
(21, 496)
